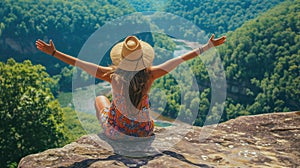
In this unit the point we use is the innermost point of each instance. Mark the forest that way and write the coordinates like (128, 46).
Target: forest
(261, 59)
(270, 42)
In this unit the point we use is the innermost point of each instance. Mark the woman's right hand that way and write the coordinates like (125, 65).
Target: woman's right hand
(44, 47)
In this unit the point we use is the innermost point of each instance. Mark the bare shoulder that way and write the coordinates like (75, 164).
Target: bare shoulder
(104, 73)
(157, 72)
(152, 72)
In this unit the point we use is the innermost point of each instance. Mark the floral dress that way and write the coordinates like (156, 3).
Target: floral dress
(117, 125)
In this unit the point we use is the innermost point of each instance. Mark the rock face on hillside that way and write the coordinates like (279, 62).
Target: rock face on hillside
(269, 140)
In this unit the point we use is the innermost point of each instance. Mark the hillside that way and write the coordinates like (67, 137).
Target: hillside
(219, 16)
(261, 62)
(148, 5)
(68, 23)
(269, 140)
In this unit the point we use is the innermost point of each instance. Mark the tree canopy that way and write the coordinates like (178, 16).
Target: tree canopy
(219, 16)
(68, 23)
(261, 59)
(31, 119)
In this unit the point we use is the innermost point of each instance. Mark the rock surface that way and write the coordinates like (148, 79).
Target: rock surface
(268, 140)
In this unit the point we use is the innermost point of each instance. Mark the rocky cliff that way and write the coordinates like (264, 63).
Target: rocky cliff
(268, 140)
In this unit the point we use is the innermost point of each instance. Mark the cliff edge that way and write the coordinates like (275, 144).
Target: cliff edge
(267, 140)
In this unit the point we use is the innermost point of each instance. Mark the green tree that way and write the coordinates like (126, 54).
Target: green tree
(261, 58)
(68, 23)
(264, 62)
(31, 119)
(219, 16)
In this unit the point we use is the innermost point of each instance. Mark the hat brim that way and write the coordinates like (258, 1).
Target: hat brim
(132, 65)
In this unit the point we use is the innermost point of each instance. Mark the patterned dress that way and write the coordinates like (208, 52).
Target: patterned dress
(117, 124)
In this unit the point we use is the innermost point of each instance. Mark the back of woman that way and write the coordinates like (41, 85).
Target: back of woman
(128, 114)
(130, 110)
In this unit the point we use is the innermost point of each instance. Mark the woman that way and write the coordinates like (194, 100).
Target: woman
(131, 77)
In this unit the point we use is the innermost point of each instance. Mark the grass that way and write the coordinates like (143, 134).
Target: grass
(73, 127)
(65, 99)
(79, 123)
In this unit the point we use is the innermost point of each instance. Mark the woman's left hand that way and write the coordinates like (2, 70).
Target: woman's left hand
(216, 42)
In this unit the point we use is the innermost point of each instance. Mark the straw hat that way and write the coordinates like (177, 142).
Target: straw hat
(132, 54)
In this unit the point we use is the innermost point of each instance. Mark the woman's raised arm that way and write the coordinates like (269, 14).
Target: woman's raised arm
(92, 69)
(164, 68)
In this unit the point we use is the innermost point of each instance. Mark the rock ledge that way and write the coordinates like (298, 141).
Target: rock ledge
(268, 140)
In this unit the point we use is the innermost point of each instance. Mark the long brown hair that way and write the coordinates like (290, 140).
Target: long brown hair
(136, 81)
